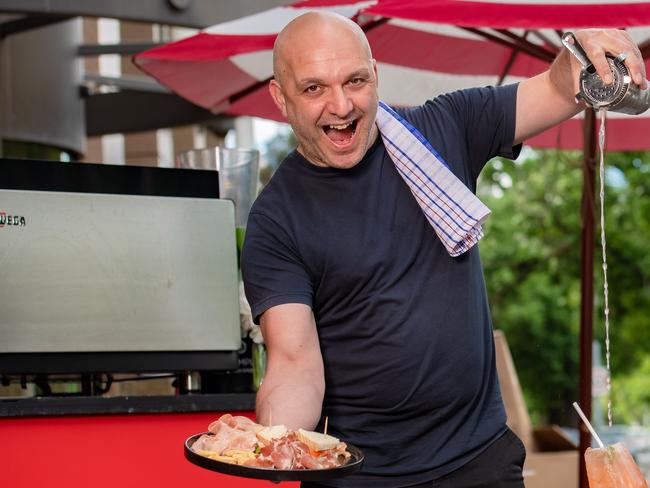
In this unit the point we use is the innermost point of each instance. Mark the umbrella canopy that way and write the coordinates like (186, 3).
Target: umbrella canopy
(423, 48)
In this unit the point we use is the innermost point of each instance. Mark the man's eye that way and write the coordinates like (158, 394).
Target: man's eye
(356, 81)
(312, 89)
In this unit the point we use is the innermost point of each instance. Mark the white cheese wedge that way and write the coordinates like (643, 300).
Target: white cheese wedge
(317, 441)
(267, 434)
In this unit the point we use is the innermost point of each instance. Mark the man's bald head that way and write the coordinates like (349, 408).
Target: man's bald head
(325, 84)
(313, 27)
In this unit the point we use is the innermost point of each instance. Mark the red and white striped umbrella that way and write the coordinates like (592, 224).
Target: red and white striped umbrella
(423, 48)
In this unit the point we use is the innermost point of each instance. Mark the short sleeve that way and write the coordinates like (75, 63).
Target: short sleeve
(482, 119)
(490, 122)
(272, 270)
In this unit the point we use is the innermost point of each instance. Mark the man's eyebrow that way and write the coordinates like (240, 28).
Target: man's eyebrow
(363, 73)
(310, 81)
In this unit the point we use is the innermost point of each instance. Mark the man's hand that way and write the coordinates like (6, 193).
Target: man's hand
(549, 98)
(597, 42)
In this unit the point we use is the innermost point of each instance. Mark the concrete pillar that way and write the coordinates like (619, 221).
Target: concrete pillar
(40, 76)
(141, 148)
(183, 138)
(244, 131)
(94, 153)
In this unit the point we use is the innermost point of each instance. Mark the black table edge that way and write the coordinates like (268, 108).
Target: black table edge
(78, 405)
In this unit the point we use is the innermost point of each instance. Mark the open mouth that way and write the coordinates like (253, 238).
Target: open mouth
(341, 134)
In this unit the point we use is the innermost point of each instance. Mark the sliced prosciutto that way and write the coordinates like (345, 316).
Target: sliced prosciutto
(229, 432)
(235, 433)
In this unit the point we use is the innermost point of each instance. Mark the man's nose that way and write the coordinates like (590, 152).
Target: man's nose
(340, 103)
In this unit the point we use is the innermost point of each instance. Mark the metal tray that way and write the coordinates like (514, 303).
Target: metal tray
(352, 466)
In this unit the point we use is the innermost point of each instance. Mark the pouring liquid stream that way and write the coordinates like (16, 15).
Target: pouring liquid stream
(601, 144)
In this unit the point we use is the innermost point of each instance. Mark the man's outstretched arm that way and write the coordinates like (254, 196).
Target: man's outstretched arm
(294, 384)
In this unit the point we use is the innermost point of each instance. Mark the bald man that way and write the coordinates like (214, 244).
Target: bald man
(367, 318)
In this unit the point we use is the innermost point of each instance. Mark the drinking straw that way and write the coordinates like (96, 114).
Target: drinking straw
(588, 424)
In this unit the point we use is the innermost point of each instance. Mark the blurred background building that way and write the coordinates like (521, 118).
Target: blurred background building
(70, 92)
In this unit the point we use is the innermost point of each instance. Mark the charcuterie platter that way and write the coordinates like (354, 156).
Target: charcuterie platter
(237, 446)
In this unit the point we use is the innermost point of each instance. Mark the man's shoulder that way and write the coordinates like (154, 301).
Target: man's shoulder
(277, 195)
(281, 177)
(442, 107)
(453, 109)
(460, 100)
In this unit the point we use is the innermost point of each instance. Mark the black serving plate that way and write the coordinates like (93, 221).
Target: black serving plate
(352, 466)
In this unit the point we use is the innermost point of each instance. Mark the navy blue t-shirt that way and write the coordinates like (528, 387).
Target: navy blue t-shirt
(404, 328)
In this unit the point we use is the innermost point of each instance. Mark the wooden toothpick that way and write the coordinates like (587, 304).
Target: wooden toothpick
(325, 429)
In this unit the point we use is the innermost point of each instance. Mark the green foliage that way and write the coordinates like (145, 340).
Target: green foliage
(627, 225)
(276, 150)
(32, 150)
(631, 395)
(531, 256)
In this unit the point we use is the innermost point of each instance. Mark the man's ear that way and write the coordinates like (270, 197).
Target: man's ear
(278, 97)
(374, 68)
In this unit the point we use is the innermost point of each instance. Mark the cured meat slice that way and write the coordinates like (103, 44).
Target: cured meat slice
(229, 432)
(234, 439)
(282, 456)
(238, 422)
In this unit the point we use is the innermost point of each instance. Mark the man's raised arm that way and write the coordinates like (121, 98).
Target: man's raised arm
(548, 99)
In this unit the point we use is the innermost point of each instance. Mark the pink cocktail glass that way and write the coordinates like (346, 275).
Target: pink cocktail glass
(613, 467)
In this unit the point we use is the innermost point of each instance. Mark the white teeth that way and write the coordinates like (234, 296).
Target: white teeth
(341, 127)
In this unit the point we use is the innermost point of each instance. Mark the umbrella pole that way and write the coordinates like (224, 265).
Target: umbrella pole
(587, 281)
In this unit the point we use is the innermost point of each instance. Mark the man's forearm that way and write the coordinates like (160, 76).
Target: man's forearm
(294, 384)
(563, 74)
(294, 403)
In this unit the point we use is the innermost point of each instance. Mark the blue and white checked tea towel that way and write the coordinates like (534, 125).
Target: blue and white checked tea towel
(453, 211)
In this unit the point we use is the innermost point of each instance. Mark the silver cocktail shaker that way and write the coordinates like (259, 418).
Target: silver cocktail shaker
(622, 95)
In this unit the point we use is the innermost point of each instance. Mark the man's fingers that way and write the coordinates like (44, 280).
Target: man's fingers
(636, 65)
(597, 43)
(602, 67)
(635, 62)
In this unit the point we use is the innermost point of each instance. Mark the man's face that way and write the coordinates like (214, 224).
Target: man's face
(328, 92)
